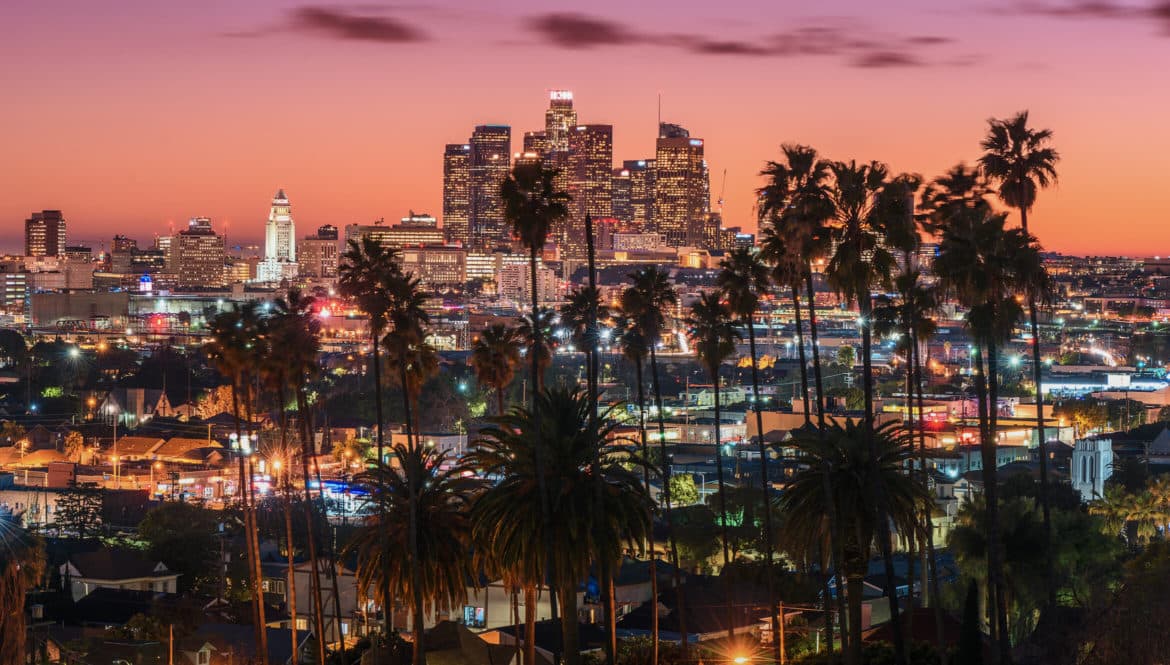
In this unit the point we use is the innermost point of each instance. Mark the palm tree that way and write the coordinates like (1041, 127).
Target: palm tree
(237, 341)
(743, 280)
(22, 564)
(495, 355)
(847, 449)
(539, 337)
(508, 516)
(635, 348)
(713, 336)
(424, 517)
(647, 302)
(865, 204)
(788, 272)
(362, 275)
(1020, 159)
(982, 264)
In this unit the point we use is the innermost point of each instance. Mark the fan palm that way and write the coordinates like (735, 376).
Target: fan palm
(743, 280)
(495, 355)
(1021, 160)
(788, 268)
(22, 564)
(867, 203)
(849, 451)
(713, 337)
(508, 516)
(539, 338)
(417, 510)
(237, 343)
(983, 265)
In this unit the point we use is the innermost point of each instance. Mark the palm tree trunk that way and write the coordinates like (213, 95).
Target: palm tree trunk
(499, 400)
(570, 629)
(803, 363)
(728, 588)
(932, 562)
(823, 562)
(836, 553)
(292, 582)
(856, 583)
(884, 535)
(766, 490)
(331, 549)
(416, 613)
(530, 601)
(257, 593)
(646, 481)
(516, 617)
(990, 494)
(541, 481)
(666, 473)
(387, 601)
(255, 531)
(993, 509)
(314, 561)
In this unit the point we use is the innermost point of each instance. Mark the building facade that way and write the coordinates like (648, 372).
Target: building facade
(680, 188)
(44, 234)
(490, 162)
(318, 254)
(591, 183)
(456, 192)
(199, 256)
(280, 248)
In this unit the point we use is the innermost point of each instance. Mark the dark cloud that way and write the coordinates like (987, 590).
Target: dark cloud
(350, 25)
(1158, 12)
(886, 60)
(570, 30)
(859, 46)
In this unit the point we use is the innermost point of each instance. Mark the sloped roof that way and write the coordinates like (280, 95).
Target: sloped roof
(137, 445)
(450, 643)
(179, 446)
(117, 564)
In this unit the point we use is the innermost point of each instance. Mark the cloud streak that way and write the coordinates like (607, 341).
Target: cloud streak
(858, 46)
(1157, 13)
(353, 26)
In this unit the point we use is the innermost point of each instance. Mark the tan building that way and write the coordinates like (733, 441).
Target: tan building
(437, 266)
(680, 187)
(396, 236)
(199, 256)
(318, 254)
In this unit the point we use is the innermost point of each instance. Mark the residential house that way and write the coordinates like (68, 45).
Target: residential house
(110, 568)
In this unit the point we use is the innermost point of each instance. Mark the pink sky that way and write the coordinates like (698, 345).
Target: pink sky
(130, 116)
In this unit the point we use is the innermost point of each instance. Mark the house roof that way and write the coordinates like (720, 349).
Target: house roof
(179, 446)
(241, 640)
(137, 445)
(117, 564)
(450, 643)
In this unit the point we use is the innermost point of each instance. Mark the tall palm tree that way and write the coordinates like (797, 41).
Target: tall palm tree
(795, 205)
(983, 265)
(537, 334)
(365, 267)
(508, 516)
(495, 355)
(1022, 162)
(237, 341)
(788, 268)
(647, 302)
(426, 517)
(713, 336)
(743, 280)
(847, 449)
(635, 348)
(22, 564)
(296, 330)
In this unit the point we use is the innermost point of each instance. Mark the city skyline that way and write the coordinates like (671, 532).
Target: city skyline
(119, 129)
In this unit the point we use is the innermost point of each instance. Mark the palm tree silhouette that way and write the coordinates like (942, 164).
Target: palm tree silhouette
(508, 517)
(743, 280)
(22, 565)
(1021, 160)
(713, 337)
(495, 355)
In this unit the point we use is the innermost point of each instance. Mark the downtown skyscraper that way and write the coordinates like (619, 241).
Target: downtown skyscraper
(559, 119)
(681, 188)
(280, 242)
(44, 234)
(456, 193)
(590, 171)
(490, 160)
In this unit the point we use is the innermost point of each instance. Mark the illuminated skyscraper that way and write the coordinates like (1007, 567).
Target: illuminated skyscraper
(44, 234)
(536, 142)
(199, 256)
(590, 172)
(641, 192)
(456, 192)
(280, 237)
(559, 119)
(317, 257)
(622, 210)
(490, 161)
(680, 187)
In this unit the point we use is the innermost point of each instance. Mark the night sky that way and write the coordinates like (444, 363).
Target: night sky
(130, 116)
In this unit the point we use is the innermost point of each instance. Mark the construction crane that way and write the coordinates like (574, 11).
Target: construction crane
(722, 189)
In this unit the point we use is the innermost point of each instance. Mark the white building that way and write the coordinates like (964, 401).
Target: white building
(514, 284)
(1092, 464)
(280, 244)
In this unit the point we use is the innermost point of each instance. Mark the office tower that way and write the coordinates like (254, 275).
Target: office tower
(590, 183)
(317, 257)
(641, 192)
(396, 236)
(536, 142)
(622, 207)
(559, 119)
(280, 251)
(44, 234)
(713, 236)
(199, 256)
(420, 219)
(490, 162)
(679, 187)
(456, 196)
